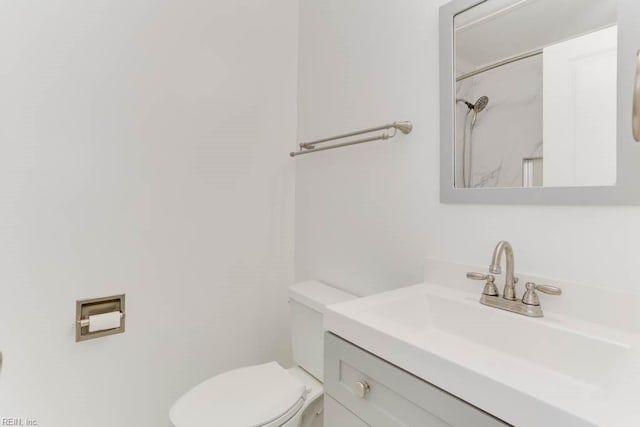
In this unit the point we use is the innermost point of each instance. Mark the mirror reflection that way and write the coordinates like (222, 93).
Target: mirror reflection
(536, 94)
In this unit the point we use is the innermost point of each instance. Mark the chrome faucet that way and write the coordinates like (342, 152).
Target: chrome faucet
(529, 305)
(510, 282)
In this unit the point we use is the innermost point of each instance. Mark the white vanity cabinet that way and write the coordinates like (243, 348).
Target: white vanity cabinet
(364, 390)
(337, 415)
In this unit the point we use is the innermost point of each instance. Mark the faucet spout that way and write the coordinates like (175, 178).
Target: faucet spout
(509, 287)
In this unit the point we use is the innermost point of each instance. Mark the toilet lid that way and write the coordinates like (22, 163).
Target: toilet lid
(247, 397)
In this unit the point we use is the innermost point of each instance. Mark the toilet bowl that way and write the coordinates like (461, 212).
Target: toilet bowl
(268, 395)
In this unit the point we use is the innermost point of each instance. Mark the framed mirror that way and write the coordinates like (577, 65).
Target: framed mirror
(537, 101)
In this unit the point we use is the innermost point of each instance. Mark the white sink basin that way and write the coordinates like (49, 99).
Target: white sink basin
(551, 371)
(545, 344)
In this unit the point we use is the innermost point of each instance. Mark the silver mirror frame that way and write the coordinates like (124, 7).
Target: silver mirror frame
(627, 188)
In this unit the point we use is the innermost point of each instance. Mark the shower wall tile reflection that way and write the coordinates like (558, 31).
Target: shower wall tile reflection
(509, 130)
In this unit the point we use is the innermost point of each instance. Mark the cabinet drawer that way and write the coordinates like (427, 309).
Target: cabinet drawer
(395, 397)
(335, 415)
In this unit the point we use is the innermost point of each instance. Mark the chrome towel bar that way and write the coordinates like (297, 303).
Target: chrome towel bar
(310, 147)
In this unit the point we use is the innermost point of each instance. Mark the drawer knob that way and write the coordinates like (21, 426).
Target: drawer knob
(361, 389)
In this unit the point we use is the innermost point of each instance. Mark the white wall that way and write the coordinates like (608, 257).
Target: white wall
(580, 110)
(143, 149)
(360, 209)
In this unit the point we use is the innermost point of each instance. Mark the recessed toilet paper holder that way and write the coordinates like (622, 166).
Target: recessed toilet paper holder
(98, 306)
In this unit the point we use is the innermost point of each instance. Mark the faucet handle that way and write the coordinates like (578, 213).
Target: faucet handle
(490, 288)
(479, 276)
(547, 289)
(530, 297)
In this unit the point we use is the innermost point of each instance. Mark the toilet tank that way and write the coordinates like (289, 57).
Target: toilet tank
(307, 303)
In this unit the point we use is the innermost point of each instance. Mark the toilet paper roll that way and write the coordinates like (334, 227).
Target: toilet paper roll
(101, 322)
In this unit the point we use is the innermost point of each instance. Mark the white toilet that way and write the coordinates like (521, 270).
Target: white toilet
(269, 395)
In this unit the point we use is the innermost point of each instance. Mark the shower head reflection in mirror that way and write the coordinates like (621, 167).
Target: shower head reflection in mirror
(467, 141)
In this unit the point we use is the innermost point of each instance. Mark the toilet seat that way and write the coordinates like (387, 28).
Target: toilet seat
(256, 396)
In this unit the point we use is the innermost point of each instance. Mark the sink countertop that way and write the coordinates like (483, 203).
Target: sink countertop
(530, 372)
